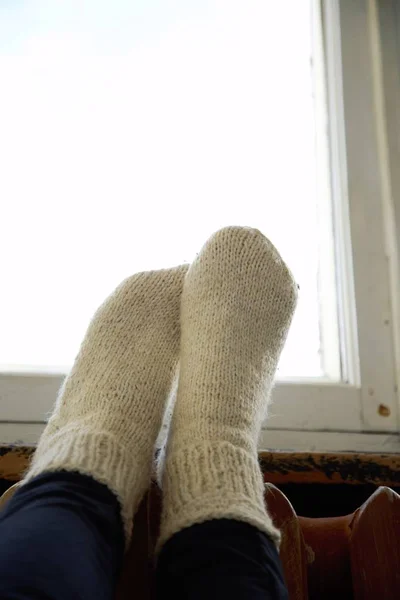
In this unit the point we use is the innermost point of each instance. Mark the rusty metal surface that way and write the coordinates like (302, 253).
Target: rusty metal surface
(331, 468)
(278, 467)
(14, 460)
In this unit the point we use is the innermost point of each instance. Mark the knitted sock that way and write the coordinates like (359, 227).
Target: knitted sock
(237, 304)
(110, 408)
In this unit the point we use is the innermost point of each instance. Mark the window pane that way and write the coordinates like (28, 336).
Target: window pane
(130, 131)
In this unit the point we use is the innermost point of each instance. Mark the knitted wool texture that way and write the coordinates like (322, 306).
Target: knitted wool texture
(110, 408)
(237, 304)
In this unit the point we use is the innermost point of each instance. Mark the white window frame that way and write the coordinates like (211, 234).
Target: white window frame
(362, 412)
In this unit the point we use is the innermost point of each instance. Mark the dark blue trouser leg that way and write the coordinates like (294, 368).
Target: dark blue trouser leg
(61, 537)
(220, 559)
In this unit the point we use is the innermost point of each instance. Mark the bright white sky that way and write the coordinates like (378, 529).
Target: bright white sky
(130, 131)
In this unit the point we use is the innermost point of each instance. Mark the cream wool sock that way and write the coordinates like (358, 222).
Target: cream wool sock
(110, 408)
(237, 304)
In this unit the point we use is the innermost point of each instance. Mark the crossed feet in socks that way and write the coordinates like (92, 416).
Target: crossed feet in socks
(224, 319)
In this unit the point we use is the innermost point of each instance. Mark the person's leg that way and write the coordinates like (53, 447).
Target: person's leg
(61, 537)
(237, 304)
(220, 559)
(104, 426)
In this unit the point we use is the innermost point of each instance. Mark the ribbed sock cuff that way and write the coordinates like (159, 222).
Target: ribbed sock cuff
(213, 480)
(100, 456)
